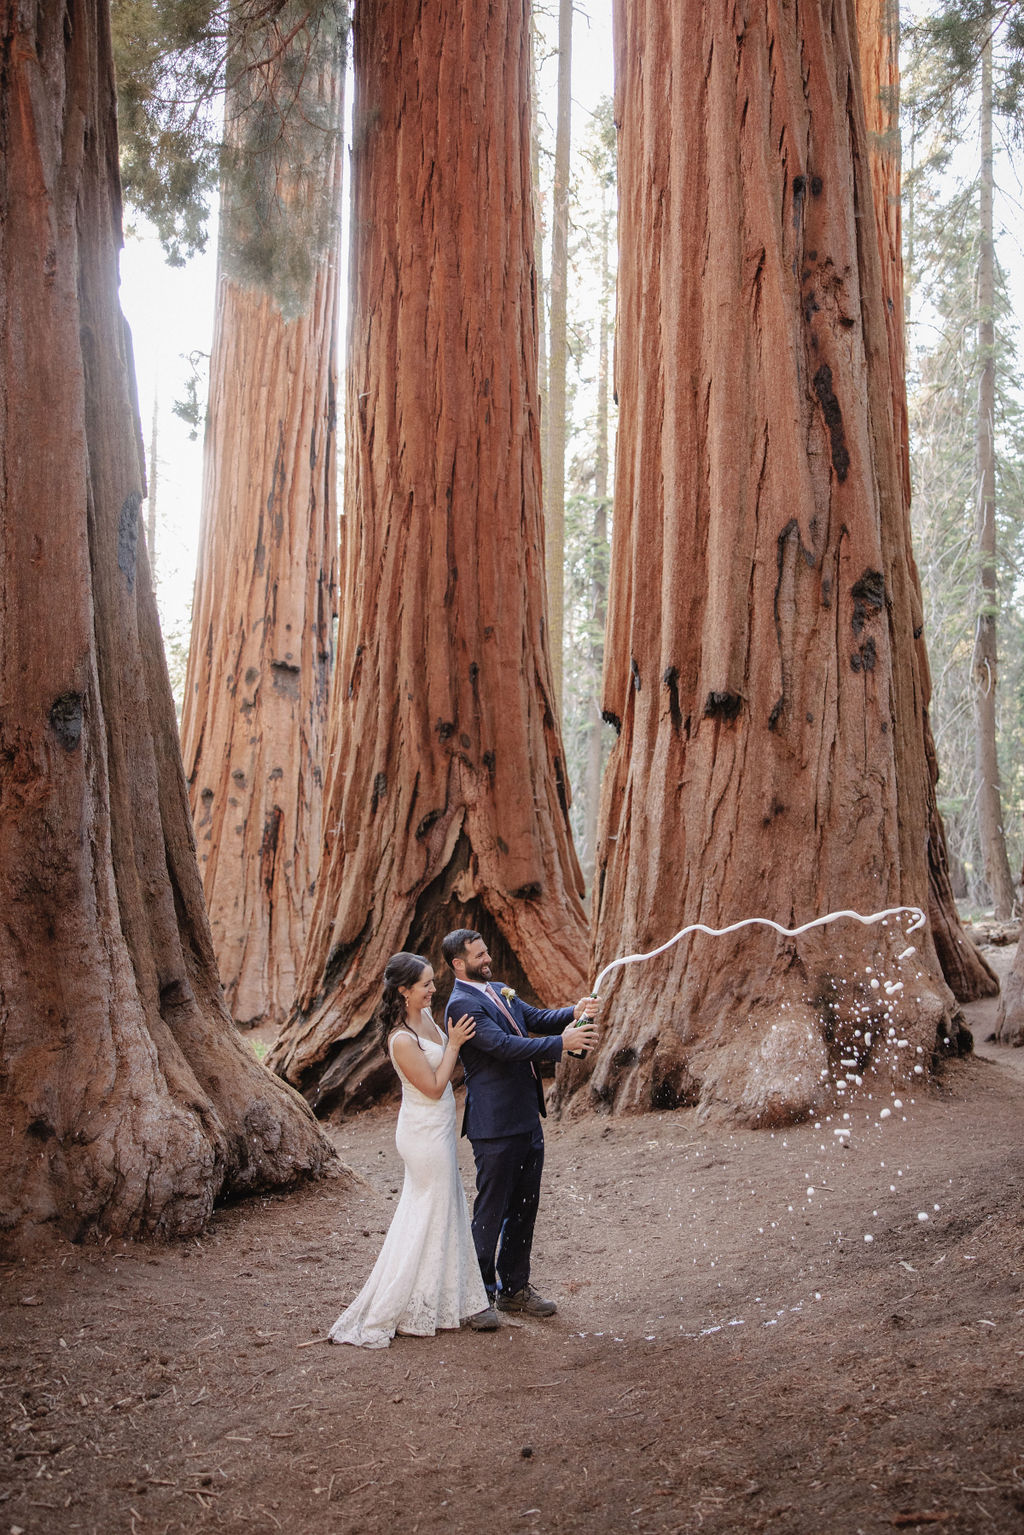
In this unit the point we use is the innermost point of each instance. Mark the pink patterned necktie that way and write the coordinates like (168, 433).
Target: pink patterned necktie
(497, 997)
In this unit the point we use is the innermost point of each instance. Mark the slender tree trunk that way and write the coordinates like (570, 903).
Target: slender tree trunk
(446, 802)
(129, 1104)
(966, 971)
(984, 665)
(255, 711)
(599, 568)
(556, 424)
(760, 663)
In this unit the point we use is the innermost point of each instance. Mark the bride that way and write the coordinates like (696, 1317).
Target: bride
(427, 1275)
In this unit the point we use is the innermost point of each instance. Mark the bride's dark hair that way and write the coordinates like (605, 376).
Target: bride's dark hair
(400, 970)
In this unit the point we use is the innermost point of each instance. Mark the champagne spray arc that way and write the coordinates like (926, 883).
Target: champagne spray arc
(788, 932)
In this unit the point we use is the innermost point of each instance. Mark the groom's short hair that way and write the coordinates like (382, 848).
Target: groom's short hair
(454, 944)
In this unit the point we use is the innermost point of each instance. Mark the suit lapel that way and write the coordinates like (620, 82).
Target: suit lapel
(471, 993)
(493, 1007)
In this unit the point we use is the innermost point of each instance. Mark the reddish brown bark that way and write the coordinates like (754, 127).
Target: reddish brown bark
(966, 971)
(255, 711)
(446, 799)
(129, 1103)
(760, 662)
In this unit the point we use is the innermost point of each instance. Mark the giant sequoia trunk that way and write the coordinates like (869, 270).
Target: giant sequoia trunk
(446, 799)
(129, 1102)
(255, 712)
(761, 665)
(966, 971)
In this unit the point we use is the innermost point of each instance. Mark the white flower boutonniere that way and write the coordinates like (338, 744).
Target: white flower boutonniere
(508, 992)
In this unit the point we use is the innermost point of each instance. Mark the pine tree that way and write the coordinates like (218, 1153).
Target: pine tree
(943, 403)
(970, 66)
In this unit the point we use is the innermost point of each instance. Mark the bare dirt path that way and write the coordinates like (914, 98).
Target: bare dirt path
(731, 1352)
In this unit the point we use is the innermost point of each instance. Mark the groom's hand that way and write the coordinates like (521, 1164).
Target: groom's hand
(586, 1007)
(579, 1037)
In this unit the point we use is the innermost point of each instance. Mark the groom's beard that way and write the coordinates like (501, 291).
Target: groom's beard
(477, 972)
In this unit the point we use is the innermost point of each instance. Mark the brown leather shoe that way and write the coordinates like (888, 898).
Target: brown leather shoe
(483, 1321)
(526, 1302)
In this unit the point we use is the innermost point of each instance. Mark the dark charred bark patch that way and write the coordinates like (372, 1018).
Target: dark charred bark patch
(353, 684)
(722, 706)
(561, 788)
(864, 659)
(341, 954)
(174, 994)
(672, 1087)
(430, 819)
(868, 598)
(128, 536)
(285, 677)
(380, 789)
(671, 681)
(66, 719)
(833, 420)
(268, 848)
(612, 720)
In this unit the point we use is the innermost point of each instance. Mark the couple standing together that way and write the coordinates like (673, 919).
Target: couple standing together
(435, 1271)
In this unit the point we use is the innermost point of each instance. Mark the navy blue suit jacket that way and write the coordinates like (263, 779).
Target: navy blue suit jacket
(503, 1097)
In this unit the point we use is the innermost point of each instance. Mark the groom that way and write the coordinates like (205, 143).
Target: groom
(504, 1104)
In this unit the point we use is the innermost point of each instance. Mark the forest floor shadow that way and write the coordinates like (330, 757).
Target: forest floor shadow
(731, 1351)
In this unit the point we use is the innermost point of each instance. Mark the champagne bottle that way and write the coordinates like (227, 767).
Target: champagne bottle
(578, 1054)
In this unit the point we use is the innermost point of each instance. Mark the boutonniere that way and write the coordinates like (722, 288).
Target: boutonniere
(508, 992)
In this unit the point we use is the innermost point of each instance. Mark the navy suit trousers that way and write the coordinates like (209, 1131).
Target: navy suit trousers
(508, 1172)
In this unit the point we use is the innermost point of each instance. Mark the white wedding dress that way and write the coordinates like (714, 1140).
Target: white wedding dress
(427, 1276)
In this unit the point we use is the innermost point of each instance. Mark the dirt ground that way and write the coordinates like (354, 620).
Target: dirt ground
(731, 1351)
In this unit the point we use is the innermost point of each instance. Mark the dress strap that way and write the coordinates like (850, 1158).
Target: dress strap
(442, 1037)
